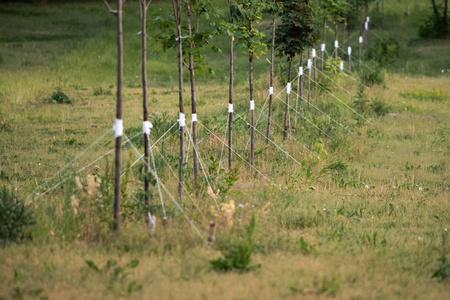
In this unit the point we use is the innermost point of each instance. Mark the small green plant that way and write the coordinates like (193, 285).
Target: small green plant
(4, 125)
(15, 217)
(58, 96)
(238, 253)
(380, 107)
(442, 270)
(100, 91)
(305, 247)
(116, 273)
(385, 51)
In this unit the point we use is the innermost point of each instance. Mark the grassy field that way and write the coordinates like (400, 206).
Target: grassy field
(359, 209)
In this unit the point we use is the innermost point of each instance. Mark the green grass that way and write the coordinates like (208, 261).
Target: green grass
(362, 217)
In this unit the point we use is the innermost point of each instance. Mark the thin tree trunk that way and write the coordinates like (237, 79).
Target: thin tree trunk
(117, 188)
(143, 10)
(193, 98)
(177, 13)
(286, 112)
(324, 35)
(349, 45)
(344, 26)
(299, 91)
(230, 97)
(309, 78)
(336, 35)
(445, 20)
(272, 61)
(360, 46)
(435, 10)
(230, 102)
(252, 111)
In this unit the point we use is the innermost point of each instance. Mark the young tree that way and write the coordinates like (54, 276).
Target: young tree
(296, 32)
(275, 9)
(143, 7)
(248, 13)
(118, 126)
(182, 120)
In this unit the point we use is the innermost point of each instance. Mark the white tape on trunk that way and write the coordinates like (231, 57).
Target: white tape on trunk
(182, 120)
(341, 66)
(313, 53)
(252, 105)
(368, 19)
(300, 71)
(118, 128)
(271, 90)
(194, 118)
(366, 26)
(336, 44)
(349, 50)
(230, 108)
(288, 88)
(361, 39)
(308, 66)
(146, 125)
(323, 47)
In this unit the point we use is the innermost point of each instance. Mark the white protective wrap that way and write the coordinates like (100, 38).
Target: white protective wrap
(341, 66)
(146, 125)
(361, 39)
(118, 128)
(323, 47)
(230, 108)
(252, 105)
(194, 118)
(308, 66)
(300, 71)
(271, 90)
(313, 53)
(366, 26)
(288, 88)
(182, 120)
(368, 19)
(336, 44)
(349, 50)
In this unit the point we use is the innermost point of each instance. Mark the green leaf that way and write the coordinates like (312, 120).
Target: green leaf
(133, 264)
(92, 265)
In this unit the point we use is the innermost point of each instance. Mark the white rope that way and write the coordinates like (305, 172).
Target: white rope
(289, 134)
(203, 169)
(314, 125)
(169, 194)
(318, 109)
(221, 152)
(282, 150)
(80, 170)
(259, 172)
(337, 98)
(73, 160)
(157, 179)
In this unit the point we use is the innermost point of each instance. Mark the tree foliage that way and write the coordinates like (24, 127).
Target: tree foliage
(297, 30)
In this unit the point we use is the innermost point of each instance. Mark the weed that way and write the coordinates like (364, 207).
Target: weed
(116, 273)
(238, 253)
(15, 217)
(305, 247)
(100, 91)
(380, 107)
(442, 270)
(58, 96)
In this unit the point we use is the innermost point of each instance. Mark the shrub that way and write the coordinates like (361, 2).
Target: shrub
(385, 51)
(372, 74)
(434, 27)
(58, 96)
(15, 217)
(380, 107)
